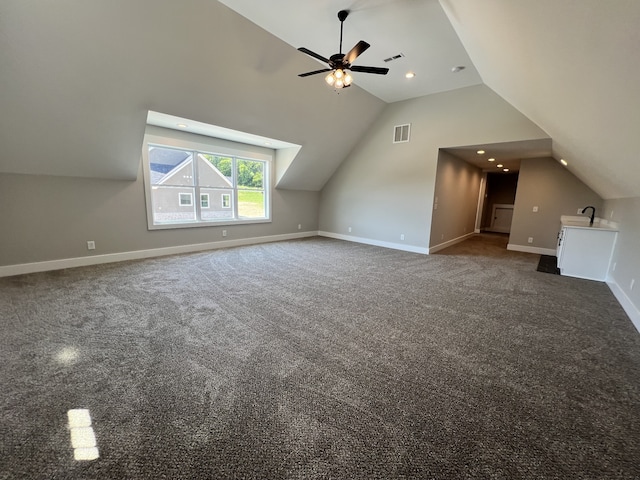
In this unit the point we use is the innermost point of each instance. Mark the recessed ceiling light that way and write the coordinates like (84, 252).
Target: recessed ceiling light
(410, 74)
(564, 162)
(458, 68)
(182, 125)
(505, 169)
(491, 159)
(499, 165)
(480, 152)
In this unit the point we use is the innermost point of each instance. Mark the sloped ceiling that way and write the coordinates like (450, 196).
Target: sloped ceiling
(573, 68)
(417, 30)
(77, 78)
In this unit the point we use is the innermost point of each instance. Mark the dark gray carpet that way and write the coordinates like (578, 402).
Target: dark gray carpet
(320, 359)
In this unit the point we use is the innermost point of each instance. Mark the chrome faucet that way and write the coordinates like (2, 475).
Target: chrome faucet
(593, 213)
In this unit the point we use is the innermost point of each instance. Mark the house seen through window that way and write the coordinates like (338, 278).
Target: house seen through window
(229, 188)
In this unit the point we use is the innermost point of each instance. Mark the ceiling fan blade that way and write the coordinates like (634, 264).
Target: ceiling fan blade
(356, 51)
(314, 54)
(376, 70)
(314, 72)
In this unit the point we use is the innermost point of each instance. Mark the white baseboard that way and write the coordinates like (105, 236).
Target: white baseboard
(442, 246)
(630, 309)
(377, 243)
(527, 249)
(48, 265)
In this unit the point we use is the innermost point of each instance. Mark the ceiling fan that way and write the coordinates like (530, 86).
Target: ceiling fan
(340, 63)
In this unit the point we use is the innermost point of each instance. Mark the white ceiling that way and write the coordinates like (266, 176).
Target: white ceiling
(417, 29)
(78, 78)
(571, 66)
(507, 154)
(188, 125)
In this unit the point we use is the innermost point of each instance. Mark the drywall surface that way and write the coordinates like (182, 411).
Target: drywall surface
(626, 254)
(76, 90)
(383, 190)
(48, 218)
(455, 201)
(546, 184)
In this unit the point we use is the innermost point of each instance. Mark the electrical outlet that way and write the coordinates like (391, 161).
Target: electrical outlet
(611, 214)
(299, 226)
(613, 269)
(530, 240)
(535, 209)
(91, 245)
(402, 236)
(349, 229)
(224, 233)
(579, 211)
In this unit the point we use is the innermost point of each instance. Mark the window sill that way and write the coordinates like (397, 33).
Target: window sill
(173, 226)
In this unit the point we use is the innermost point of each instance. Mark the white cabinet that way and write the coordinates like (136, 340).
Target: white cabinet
(585, 252)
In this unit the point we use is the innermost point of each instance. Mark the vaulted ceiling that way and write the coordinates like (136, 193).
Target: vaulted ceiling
(78, 78)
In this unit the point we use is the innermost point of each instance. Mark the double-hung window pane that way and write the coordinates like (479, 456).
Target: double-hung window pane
(172, 185)
(251, 197)
(215, 181)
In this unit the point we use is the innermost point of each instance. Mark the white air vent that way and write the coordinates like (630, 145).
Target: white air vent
(401, 133)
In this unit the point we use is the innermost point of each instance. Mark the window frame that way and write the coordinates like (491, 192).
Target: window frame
(208, 200)
(165, 138)
(180, 197)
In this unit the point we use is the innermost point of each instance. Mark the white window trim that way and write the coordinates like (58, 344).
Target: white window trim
(184, 140)
(208, 201)
(228, 195)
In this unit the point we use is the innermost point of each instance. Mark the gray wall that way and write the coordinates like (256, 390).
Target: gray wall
(455, 198)
(49, 218)
(384, 189)
(626, 255)
(544, 183)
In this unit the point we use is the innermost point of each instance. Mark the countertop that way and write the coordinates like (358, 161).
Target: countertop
(583, 222)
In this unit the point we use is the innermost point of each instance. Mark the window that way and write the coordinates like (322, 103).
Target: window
(185, 199)
(232, 187)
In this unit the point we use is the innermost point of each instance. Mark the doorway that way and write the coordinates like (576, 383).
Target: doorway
(499, 198)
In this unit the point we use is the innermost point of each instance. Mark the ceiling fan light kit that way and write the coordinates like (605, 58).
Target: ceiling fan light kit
(340, 64)
(338, 78)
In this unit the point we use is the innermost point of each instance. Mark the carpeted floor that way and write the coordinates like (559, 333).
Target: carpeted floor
(320, 359)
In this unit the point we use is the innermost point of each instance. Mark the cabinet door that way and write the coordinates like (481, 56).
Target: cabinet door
(586, 253)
